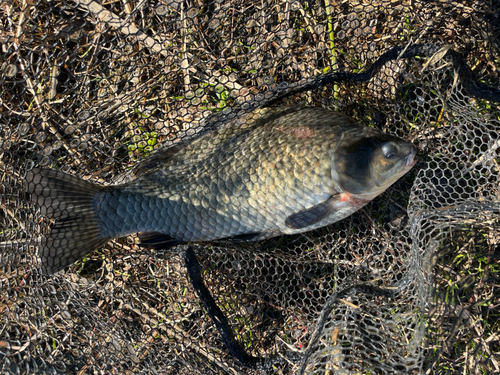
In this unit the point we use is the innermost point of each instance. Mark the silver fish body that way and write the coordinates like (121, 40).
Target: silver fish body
(274, 171)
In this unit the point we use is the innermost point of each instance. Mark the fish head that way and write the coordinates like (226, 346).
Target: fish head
(367, 163)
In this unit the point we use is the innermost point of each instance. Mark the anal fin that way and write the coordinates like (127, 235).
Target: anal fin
(157, 240)
(246, 237)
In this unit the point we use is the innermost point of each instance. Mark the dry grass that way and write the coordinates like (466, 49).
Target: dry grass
(94, 88)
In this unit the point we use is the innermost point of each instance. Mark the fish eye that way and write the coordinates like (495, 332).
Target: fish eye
(389, 150)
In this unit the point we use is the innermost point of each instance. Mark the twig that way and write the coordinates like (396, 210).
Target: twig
(31, 87)
(126, 28)
(185, 61)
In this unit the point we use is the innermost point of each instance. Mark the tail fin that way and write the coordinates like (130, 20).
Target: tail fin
(68, 200)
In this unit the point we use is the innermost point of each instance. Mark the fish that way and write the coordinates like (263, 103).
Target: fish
(274, 171)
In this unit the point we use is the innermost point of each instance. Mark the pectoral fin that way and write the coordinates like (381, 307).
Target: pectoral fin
(315, 214)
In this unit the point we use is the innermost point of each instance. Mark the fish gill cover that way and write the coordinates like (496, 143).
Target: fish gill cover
(109, 91)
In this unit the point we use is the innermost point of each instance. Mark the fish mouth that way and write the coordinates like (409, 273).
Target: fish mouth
(411, 159)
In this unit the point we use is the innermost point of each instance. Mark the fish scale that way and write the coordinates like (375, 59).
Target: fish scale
(274, 171)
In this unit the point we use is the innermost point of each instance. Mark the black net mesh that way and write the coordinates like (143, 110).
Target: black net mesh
(408, 284)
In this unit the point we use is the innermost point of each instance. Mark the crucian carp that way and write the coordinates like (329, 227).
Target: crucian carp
(274, 171)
